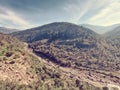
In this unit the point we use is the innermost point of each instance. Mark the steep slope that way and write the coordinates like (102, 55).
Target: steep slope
(114, 36)
(7, 30)
(13, 65)
(100, 29)
(20, 69)
(75, 50)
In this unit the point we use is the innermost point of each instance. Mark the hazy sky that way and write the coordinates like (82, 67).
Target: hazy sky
(24, 14)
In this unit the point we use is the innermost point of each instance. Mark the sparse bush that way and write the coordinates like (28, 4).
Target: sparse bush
(9, 54)
(105, 88)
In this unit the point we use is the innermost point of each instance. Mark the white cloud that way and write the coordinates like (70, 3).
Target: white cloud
(85, 8)
(97, 12)
(7, 15)
(76, 11)
(107, 16)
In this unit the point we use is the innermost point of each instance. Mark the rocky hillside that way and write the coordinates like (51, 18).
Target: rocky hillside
(114, 36)
(20, 69)
(70, 45)
(76, 48)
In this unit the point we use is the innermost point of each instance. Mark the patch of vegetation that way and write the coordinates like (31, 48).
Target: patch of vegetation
(47, 78)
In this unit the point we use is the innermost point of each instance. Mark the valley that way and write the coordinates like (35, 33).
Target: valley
(59, 56)
(59, 44)
(97, 78)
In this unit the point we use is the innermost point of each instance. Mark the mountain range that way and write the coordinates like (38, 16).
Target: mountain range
(21, 69)
(62, 56)
(101, 29)
(7, 30)
(73, 46)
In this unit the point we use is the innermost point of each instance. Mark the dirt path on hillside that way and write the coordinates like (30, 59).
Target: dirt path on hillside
(93, 77)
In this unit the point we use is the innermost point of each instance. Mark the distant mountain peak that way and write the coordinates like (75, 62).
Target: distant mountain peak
(7, 30)
(56, 30)
(100, 29)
